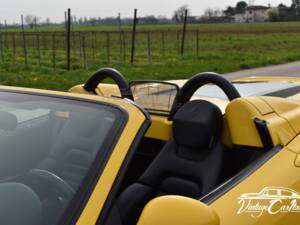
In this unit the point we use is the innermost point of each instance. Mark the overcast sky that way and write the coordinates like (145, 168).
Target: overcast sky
(10, 10)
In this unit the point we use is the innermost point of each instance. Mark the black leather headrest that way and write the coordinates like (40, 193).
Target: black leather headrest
(196, 123)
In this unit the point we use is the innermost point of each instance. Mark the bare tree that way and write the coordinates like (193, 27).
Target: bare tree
(208, 13)
(47, 21)
(31, 20)
(178, 15)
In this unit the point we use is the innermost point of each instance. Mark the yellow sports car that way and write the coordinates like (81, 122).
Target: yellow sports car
(203, 151)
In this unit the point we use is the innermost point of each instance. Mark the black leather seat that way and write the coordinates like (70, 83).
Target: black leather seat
(76, 145)
(188, 165)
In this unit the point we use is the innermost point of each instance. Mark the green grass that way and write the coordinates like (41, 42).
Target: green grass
(222, 48)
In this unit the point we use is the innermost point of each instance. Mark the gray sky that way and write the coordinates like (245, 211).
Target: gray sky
(54, 9)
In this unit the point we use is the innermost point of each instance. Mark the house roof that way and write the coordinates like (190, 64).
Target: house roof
(257, 7)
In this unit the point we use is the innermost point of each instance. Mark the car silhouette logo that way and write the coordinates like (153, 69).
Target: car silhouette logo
(272, 193)
(271, 200)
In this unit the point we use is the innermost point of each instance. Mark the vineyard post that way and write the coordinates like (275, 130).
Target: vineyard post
(14, 48)
(35, 23)
(6, 35)
(133, 36)
(38, 47)
(163, 42)
(1, 44)
(178, 41)
(66, 28)
(68, 33)
(108, 46)
(84, 52)
(33, 43)
(54, 51)
(124, 46)
(149, 47)
(24, 40)
(80, 45)
(184, 32)
(120, 34)
(66, 20)
(74, 42)
(93, 44)
(197, 43)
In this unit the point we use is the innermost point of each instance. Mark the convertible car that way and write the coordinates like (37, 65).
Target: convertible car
(184, 152)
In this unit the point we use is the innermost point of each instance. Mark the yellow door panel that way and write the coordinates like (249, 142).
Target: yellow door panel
(277, 172)
(161, 128)
(282, 117)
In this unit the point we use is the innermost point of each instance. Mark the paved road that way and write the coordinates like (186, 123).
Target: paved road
(289, 69)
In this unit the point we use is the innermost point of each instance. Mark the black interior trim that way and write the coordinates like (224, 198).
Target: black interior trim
(199, 80)
(93, 82)
(262, 128)
(242, 175)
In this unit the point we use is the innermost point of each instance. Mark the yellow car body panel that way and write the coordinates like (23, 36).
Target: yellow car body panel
(279, 171)
(187, 211)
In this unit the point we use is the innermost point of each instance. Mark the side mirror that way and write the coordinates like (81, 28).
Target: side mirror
(154, 96)
(177, 210)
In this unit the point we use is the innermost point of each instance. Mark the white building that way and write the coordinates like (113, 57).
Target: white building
(256, 13)
(240, 18)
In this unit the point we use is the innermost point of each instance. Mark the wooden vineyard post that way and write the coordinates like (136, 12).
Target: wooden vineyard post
(184, 32)
(108, 46)
(24, 41)
(54, 51)
(149, 47)
(14, 49)
(1, 44)
(197, 43)
(120, 35)
(38, 47)
(84, 52)
(133, 36)
(163, 43)
(68, 33)
(124, 46)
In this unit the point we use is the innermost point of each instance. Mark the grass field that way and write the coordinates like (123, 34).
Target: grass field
(221, 48)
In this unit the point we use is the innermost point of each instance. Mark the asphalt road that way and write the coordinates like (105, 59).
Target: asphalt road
(289, 69)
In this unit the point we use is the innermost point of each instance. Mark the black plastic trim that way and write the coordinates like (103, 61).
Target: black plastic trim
(199, 80)
(242, 175)
(262, 128)
(93, 82)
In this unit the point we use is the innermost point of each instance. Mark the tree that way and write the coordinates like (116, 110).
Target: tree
(296, 5)
(230, 11)
(241, 7)
(273, 14)
(31, 20)
(209, 13)
(47, 21)
(217, 12)
(180, 12)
